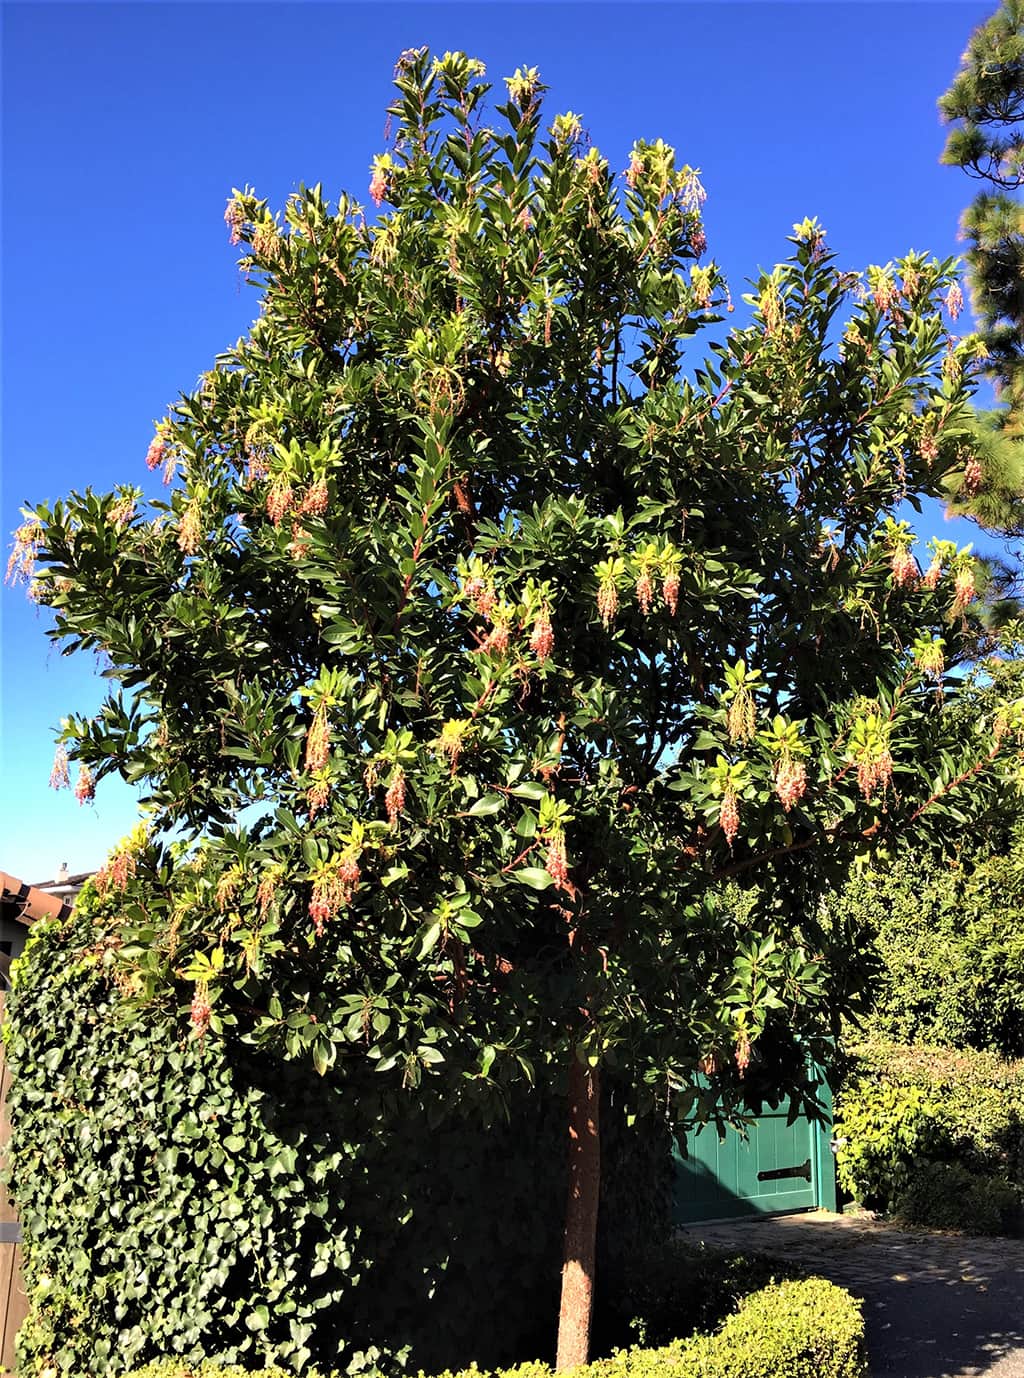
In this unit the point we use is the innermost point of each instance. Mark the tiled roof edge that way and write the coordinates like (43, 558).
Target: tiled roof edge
(29, 902)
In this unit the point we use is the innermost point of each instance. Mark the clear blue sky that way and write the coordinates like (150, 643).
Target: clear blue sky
(125, 127)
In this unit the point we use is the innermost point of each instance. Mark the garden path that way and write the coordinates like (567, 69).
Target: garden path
(936, 1305)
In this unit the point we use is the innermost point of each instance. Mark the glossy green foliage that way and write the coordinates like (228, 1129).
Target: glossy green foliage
(905, 1108)
(206, 1201)
(950, 949)
(493, 619)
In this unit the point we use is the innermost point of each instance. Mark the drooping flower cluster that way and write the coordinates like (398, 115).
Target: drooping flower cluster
(234, 218)
(904, 567)
(771, 307)
(59, 777)
(869, 751)
(607, 601)
(741, 718)
(228, 887)
(651, 566)
(279, 500)
(270, 883)
(789, 772)
(266, 242)
(121, 867)
(542, 637)
(318, 740)
(85, 786)
(317, 795)
(742, 1053)
(201, 1010)
(932, 575)
(974, 477)
(644, 590)
(741, 713)
(964, 588)
(380, 176)
(670, 590)
(557, 862)
(190, 529)
(954, 300)
(729, 815)
(790, 777)
(496, 642)
(334, 886)
(157, 452)
(394, 799)
(22, 562)
(314, 504)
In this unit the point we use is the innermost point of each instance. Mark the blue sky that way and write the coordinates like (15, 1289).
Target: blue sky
(126, 126)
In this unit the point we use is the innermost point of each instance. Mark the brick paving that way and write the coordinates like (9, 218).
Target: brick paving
(935, 1305)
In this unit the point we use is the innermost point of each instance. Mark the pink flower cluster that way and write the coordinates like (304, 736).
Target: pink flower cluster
(394, 800)
(790, 782)
(85, 786)
(557, 864)
(729, 816)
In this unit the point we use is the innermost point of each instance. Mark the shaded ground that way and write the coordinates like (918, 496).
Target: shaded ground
(936, 1305)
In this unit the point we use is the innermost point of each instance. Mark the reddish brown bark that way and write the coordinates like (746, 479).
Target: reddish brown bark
(578, 1266)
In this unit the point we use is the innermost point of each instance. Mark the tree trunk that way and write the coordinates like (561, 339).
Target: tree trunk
(578, 1265)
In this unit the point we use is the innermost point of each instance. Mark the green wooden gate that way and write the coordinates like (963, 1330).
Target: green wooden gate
(779, 1166)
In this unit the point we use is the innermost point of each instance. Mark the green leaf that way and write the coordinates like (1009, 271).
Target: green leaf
(533, 876)
(529, 789)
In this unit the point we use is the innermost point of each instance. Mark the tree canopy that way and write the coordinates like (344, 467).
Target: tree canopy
(985, 107)
(487, 628)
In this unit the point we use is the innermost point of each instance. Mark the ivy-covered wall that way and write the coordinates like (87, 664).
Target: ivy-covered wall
(203, 1200)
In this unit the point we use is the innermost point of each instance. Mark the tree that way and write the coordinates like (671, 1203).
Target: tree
(985, 105)
(476, 646)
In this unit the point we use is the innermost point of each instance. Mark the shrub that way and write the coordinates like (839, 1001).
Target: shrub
(946, 1196)
(206, 1200)
(906, 1109)
(806, 1329)
(809, 1329)
(885, 1129)
(949, 948)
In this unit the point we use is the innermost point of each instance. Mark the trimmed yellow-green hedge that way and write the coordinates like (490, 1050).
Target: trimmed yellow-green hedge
(806, 1329)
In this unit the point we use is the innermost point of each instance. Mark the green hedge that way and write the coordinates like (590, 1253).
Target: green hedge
(207, 1201)
(949, 947)
(806, 1329)
(911, 1115)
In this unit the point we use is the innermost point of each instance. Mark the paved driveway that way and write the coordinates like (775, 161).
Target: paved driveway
(936, 1305)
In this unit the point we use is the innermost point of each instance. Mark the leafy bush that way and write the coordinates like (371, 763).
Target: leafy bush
(946, 1196)
(907, 1109)
(808, 1329)
(205, 1200)
(885, 1129)
(949, 947)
